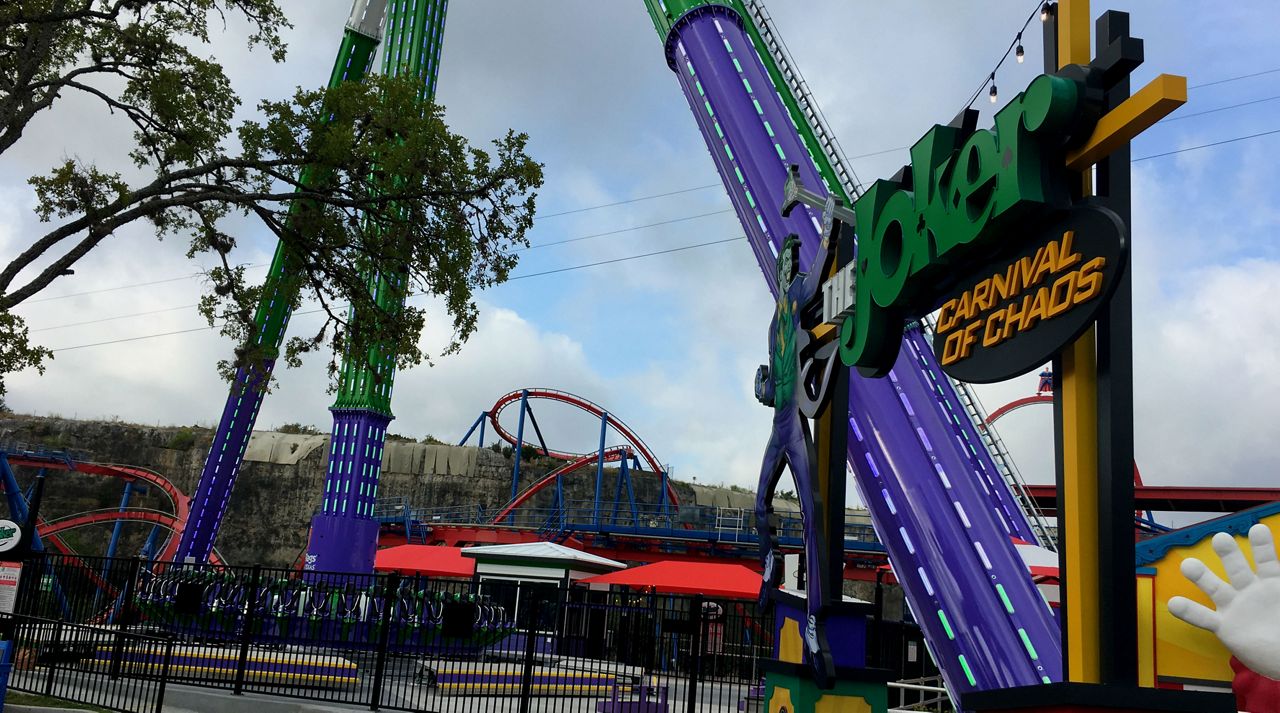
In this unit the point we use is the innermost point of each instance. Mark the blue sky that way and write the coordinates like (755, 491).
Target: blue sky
(670, 343)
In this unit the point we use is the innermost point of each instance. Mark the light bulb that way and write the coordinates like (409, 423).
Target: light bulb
(994, 95)
(1020, 54)
(1044, 12)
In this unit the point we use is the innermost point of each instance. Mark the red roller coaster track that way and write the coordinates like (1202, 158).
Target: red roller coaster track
(1017, 404)
(584, 405)
(611, 455)
(123, 472)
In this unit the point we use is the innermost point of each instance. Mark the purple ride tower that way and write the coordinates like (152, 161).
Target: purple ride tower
(280, 291)
(940, 508)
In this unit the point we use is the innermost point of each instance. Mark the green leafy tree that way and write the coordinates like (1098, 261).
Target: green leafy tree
(359, 178)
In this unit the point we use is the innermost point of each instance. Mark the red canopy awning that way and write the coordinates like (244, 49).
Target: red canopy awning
(732, 581)
(426, 560)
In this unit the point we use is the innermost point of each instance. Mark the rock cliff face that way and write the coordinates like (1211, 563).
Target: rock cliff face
(281, 480)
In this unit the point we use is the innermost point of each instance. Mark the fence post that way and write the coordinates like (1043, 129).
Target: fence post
(695, 653)
(55, 643)
(530, 641)
(384, 639)
(164, 673)
(246, 629)
(124, 620)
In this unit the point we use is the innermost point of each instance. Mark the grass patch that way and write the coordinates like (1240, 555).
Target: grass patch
(18, 698)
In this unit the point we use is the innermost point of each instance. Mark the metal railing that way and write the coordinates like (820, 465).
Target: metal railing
(105, 667)
(382, 641)
(829, 145)
(706, 521)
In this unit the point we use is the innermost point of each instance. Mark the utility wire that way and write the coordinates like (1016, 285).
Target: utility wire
(627, 230)
(531, 247)
(111, 319)
(1232, 79)
(628, 258)
(1167, 119)
(1205, 146)
(629, 200)
(511, 279)
(707, 186)
(124, 287)
(1180, 117)
(635, 257)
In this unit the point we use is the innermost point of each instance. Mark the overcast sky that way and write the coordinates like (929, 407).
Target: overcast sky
(670, 343)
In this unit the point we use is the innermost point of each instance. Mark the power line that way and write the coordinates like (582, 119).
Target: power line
(131, 339)
(584, 266)
(625, 259)
(193, 275)
(511, 279)
(629, 200)
(1232, 79)
(122, 287)
(661, 252)
(111, 319)
(628, 230)
(1167, 119)
(1205, 146)
(1180, 117)
(713, 185)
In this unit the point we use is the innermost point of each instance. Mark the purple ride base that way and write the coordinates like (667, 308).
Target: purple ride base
(946, 523)
(344, 535)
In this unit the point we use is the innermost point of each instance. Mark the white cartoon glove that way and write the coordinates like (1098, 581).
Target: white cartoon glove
(1247, 620)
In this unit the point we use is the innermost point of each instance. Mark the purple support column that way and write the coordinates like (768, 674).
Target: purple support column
(223, 463)
(929, 488)
(344, 535)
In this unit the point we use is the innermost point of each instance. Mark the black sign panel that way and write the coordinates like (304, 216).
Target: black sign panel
(1015, 314)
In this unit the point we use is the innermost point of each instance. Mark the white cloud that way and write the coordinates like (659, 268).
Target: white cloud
(671, 343)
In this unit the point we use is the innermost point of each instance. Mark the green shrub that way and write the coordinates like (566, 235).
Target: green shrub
(183, 439)
(298, 429)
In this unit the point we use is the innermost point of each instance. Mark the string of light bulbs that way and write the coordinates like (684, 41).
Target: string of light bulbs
(1045, 11)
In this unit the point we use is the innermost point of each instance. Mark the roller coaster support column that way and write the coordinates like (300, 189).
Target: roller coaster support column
(115, 531)
(479, 423)
(18, 510)
(240, 412)
(595, 507)
(515, 468)
(344, 536)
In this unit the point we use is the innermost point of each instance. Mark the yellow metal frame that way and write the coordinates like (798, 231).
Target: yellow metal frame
(1078, 381)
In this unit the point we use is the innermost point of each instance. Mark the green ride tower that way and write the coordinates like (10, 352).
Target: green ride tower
(280, 291)
(344, 533)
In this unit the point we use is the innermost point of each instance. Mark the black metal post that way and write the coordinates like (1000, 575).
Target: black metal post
(51, 652)
(1118, 619)
(530, 641)
(164, 673)
(125, 619)
(384, 640)
(877, 624)
(695, 654)
(246, 629)
(33, 568)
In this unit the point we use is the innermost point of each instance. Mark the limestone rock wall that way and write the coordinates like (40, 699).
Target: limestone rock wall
(280, 483)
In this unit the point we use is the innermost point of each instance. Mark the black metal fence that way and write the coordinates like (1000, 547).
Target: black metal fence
(116, 670)
(407, 643)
